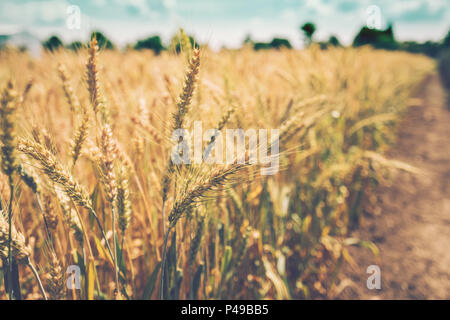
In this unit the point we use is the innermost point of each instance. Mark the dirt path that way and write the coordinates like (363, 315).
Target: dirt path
(412, 227)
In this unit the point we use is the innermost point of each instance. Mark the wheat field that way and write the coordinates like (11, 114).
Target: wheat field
(88, 183)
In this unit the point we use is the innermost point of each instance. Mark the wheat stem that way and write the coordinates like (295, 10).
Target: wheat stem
(36, 275)
(11, 197)
(116, 270)
(163, 264)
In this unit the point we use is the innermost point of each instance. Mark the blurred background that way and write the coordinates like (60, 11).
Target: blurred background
(220, 24)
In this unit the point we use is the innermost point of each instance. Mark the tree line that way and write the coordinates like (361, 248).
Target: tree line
(380, 39)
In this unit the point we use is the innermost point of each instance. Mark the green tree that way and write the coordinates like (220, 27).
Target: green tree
(152, 43)
(446, 41)
(381, 39)
(334, 41)
(248, 41)
(75, 45)
(53, 43)
(278, 43)
(308, 30)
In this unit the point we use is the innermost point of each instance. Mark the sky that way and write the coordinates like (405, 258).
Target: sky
(224, 22)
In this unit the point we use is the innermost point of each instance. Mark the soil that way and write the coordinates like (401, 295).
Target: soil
(411, 226)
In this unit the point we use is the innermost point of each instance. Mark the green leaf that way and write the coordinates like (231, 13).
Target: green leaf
(226, 259)
(177, 284)
(196, 282)
(120, 260)
(151, 282)
(96, 202)
(171, 265)
(103, 254)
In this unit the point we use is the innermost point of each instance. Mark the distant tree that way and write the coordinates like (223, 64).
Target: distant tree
(152, 43)
(102, 41)
(308, 30)
(382, 39)
(334, 41)
(248, 40)
(261, 45)
(75, 45)
(277, 43)
(52, 44)
(446, 41)
(431, 48)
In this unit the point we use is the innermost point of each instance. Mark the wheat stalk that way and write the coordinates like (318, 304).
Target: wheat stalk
(67, 88)
(108, 156)
(92, 76)
(19, 250)
(12, 244)
(80, 137)
(8, 107)
(55, 279)
(107, 159)
(54, 170)
(70, 216)
(188, 200)
(51, 217)
(123, 201)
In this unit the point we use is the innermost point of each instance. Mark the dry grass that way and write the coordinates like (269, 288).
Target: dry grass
(93, 155)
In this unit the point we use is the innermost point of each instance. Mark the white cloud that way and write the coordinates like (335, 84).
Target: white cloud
(320, 8)
(31, 12)
(400, 7)
(99, 3)
(169, 4)
(289, 15)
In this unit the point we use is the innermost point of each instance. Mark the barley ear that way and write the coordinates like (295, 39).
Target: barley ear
(56, 172)
(185, 98)
(95, 94)
(108, 156)
(8, 107)
(51, 216)
(20, 251)
(67, 88)
(70, 216)
(55, 279)
(123, 201)
(80, 137)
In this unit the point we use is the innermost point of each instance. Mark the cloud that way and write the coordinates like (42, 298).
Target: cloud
(99, 3)
(169, 4)
(347, 6)
(51, 12)
(418, 11)
(289, 15)
(319, 7)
